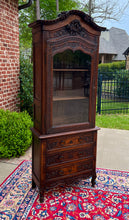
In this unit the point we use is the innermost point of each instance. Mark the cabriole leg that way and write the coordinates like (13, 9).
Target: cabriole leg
(41, 195)
(93, 180)
(33, 184)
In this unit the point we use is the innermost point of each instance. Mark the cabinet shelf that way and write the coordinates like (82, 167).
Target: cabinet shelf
(68, 98)
(70, 70)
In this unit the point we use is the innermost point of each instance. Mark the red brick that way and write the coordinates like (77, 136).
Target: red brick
(9, 54)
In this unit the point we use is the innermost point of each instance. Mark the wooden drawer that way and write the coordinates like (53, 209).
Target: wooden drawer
(70, 154)
(69, 169)
(72, 140)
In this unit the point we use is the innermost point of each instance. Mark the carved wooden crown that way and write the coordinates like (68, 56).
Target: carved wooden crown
(63, 15)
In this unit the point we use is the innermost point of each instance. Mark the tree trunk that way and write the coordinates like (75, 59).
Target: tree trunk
(89, 7)
(57, 5)
(37, 10)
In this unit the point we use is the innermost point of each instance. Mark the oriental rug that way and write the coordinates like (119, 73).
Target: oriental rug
(109, 199)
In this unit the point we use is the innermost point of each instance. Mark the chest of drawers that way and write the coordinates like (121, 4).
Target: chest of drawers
(64, 158)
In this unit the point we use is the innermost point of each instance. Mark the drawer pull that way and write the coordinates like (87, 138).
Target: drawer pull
(80, 140)
(80, 154)
(61, 157)
(62, 143)
(70, 170)
(61, 172)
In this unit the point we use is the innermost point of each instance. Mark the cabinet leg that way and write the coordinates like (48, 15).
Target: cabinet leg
(33, 184)
(41, 196)
(93, 180)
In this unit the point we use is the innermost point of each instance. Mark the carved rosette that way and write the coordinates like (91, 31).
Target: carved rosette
(74, 28)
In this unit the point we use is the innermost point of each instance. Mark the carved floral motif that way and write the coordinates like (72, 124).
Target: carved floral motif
(70, 141)
(63, 15)
(74, 27)
(73, 168)
(73, 43)
(70, 155)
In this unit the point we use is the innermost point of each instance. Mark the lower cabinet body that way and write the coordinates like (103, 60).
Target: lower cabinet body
(63, 158)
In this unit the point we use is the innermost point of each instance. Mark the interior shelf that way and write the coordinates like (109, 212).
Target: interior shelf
(71, 70)
(68, 98)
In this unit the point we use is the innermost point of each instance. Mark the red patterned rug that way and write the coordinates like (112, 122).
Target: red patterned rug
(108, 200)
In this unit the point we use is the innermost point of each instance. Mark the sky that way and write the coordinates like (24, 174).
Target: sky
(123, 23)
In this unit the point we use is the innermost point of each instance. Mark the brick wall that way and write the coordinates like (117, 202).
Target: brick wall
(9, 54)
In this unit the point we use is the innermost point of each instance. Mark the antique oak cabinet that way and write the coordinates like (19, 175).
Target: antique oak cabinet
(65, 55)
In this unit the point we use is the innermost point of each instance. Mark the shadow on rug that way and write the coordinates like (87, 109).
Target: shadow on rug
(108, 200)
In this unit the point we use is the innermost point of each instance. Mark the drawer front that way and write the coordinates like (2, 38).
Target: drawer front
(72, 154)
(69, 169)
(71, 140)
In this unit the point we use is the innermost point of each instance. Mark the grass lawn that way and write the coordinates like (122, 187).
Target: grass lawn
(116, 121)
(114, 107)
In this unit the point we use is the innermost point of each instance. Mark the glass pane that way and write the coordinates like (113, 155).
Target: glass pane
(71, 85)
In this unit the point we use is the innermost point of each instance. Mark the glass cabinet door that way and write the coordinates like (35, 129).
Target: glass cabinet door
(71, 86)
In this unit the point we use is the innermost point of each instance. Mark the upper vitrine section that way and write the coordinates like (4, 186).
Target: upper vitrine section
(65, 55)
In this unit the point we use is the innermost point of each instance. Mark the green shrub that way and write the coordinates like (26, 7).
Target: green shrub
(112, 66)
(122, 89)
(15, 133)
(109, 69)
(26, 85)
